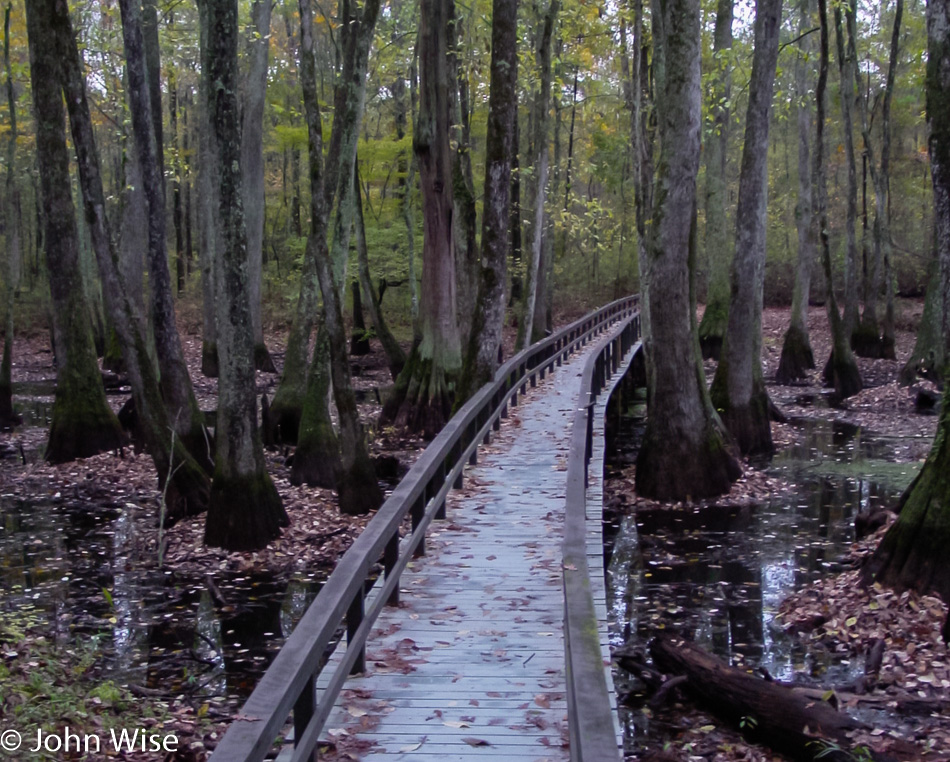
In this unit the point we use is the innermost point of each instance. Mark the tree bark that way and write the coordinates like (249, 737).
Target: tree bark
(684, 452)
(846, 69)
(83, 424)
(207, 212)
(246, 511)
(481, 358)
(357, 487)
(738, 389)
(527, 331)
(252, 157)
(188, 490)
(422, 399)
(712, 327)
(11, 222)
(175, 382)
(841, 371)
(913, 553)
(797, 356)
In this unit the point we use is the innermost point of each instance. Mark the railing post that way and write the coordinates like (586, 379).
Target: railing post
(435, 486)
(304, 708)
(390, 558)
(416, 513)
(354, 618)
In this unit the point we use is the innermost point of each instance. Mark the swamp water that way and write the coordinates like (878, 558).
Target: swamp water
(719, 574)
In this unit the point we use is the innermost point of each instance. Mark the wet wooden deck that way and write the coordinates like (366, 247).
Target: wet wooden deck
(470, 665)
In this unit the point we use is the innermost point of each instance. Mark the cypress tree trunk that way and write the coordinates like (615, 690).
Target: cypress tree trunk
(11, 221)
(175, 382)
(846, 70)
(841, 371)
(464, 218)
(317, 455)
(913, 553)
(738, 389)
(527, 331)
(684, 452)
(252, 156)
(357, 486)
(83, 424)
(422, 399)
(481, 357)
(188, 491)
(207, 212)
(718, 243)
(797, 356)
(246, 511)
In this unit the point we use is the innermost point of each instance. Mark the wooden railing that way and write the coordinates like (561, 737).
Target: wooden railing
(593, 737)
(290, 684)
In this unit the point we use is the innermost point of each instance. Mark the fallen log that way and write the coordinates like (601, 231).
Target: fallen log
(767, 712)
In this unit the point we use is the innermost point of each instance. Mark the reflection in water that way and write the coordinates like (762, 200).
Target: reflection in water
(86, 568)
(718, 575)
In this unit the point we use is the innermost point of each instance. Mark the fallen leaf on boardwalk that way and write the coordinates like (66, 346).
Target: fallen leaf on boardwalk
(411, 747)
(355, 711)
(454, 724)
(476, 742)
(543, 701)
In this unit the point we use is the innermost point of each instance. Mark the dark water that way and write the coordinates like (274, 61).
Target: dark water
(82, 568)
(718, 575)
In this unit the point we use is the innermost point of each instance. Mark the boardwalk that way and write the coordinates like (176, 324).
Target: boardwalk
(471, 664)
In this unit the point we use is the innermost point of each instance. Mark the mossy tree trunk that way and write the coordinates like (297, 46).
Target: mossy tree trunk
(252, 157)
(422, 399)
(684, 452)
(317, 455)
(738, 389)
(718, 242)
(481, 357)
(357, 486)
(177, 390)
(797, 357)
(841, 371)
(913, 553)
(11, 222)
(246, 511)
(83, 423)
(188, 490)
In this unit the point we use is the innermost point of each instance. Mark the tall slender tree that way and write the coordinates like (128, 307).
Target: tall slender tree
(841, 371)
(356, 482)
(528, 330)
(797, 357)
(252, 157)
(712, 327)
(738, 389)
(422, 399)
(83, 423)
(246, 511)
(11, 229)
(481, 357)
(684, 452)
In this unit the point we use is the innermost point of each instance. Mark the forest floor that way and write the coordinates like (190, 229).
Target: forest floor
(318, 534)
(837, 613)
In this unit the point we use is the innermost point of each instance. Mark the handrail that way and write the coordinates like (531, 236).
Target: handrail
(289, 684)
(590, 716)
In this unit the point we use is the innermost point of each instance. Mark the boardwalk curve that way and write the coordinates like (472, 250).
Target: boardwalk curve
(471, 663)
